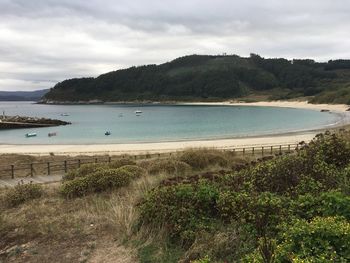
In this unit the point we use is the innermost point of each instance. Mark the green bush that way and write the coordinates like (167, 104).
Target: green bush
(183, 209)
(134, 170)
(326, 204)
(200, 159)
(323, 239)
(331, 148)
(98, 181)
(121, 162)
(22, 193)
(84, 170)
(172, 167)
(263, 211)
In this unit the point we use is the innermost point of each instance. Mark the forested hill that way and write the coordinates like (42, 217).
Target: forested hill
(201, 77)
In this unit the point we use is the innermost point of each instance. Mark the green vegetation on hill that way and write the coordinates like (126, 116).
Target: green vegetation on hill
(201, 77)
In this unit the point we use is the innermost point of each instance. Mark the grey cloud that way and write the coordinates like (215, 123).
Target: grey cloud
(43, 41)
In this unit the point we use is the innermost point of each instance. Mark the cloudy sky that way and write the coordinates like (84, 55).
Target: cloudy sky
(46, 41)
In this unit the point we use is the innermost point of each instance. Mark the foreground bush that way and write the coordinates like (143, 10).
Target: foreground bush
(184, 209)
(98, 181)
(324, 239)
(200, 159)
(134, 170)
(121, 162)
(309, 188)
(84, 170)
(169, 166)
(22, 193)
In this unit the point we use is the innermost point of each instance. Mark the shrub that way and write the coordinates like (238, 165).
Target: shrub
(330, 148)
(327, 204)
(324, 239)
(183, 209)
(134, 170)
(200, 159)
(263, 211)
(22, 193)
(99, 181)
(169, 166)
(121, 162)
(84, 170)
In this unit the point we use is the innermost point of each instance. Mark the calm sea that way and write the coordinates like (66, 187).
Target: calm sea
(158, 122)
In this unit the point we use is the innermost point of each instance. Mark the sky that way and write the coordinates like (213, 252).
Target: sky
(43, 42)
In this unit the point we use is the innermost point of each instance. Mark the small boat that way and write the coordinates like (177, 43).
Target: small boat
(64, 114)
(107, 133)
(50, 134)
(138, 112)
(32, 134)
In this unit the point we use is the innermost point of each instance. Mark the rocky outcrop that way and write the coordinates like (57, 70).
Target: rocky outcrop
(18, 122)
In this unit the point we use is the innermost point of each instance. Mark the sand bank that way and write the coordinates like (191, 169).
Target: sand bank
(283, 104)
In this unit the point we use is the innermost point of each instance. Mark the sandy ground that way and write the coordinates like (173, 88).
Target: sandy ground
(141, 148)
(284, 104)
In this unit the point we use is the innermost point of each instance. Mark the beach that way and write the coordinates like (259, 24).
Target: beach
(173, 146)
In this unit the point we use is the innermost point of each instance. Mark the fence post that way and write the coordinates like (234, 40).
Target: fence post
(65, 166)
(280, 149)
(78, 163)
(271, 150)
(109, 159)
(48, 168)
(31, 170)
(253, 150)
(243, 151)
(289, 148)
(95, 160)
(262, 151)
(12, 171)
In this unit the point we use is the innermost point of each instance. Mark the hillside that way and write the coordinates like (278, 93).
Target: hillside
(201, 77)
(22, 95)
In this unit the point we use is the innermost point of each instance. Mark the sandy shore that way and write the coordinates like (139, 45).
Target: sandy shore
(283, 104)
(142, 148)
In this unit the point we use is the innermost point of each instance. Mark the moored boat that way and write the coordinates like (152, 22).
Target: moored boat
(138, 112)
(31, 134)
(50, 134)
(107, 133)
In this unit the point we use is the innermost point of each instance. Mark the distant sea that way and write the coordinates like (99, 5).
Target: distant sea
(158, 122)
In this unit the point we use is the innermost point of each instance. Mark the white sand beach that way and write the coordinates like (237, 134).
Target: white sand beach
(283, 104)
(158, 147)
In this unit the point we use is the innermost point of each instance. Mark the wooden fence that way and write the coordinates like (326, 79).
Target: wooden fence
(64, 166)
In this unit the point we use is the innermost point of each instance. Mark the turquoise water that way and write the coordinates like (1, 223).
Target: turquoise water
(158, 122)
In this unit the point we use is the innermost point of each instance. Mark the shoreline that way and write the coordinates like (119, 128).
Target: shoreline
(337, 108)
(173, 146)
(154, 147)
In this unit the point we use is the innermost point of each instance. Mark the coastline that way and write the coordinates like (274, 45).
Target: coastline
(338, 108)
(173, 146)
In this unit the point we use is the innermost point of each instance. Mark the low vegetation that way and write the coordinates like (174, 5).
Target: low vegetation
(22, 193)
(200, 206)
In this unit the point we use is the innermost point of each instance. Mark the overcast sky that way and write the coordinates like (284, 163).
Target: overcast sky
(43, 42)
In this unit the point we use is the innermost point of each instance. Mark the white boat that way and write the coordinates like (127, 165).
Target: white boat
(32, 134)
(64, 114)
(138, 112)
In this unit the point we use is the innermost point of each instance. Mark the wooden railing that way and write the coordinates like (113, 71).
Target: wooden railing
(64, 166)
